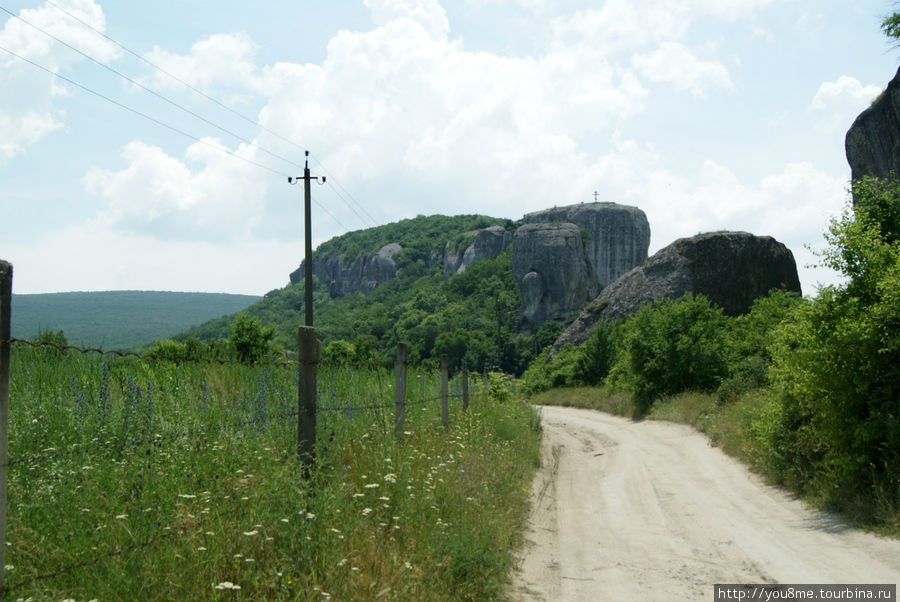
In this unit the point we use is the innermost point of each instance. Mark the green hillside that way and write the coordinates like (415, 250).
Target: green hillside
(119, 319)
(471, 316)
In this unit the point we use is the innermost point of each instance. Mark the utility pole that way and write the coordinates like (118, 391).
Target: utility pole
(307, 212)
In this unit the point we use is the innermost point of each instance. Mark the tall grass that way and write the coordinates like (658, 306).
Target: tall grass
(154, 480)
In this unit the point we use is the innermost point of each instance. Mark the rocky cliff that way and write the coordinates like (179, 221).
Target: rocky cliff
(363, 275)
(551, 271)
(872, 143)
(562, 257)
(488, 243)
(730, 268)
(618, 236)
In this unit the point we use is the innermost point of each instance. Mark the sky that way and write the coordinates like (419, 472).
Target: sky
(148, 145)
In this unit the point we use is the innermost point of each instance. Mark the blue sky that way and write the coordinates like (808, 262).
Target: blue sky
(708, 115)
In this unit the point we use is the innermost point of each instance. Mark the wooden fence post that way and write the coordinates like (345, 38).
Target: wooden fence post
(465, 388)
(308, 358)
(400, 391)
(5, 335)
(445, 409)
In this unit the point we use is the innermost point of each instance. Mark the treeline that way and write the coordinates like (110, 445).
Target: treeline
(814, 382)
(472, 317)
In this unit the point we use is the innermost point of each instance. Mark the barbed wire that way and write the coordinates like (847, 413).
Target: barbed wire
(218, 361)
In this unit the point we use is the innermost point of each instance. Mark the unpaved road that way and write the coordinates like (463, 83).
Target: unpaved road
(626, 510)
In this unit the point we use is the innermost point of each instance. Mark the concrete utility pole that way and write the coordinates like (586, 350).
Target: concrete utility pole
(307, 212)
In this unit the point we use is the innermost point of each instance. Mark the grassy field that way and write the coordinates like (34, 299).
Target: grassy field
(132, 479)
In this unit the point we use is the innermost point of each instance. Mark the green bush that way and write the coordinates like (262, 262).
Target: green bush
(673, 346)
(832, 427)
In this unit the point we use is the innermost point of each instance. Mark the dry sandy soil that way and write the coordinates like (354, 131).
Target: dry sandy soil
(625, 510)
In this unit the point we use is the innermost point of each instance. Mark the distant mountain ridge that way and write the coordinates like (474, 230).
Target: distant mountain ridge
(119, 319)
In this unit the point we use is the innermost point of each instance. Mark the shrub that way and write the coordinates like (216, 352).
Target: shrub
(673, 346)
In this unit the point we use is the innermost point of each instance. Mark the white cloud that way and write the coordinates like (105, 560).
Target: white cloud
(17, 132)
(846, 95)
(29, 115)
(677, 64)
(838, 103)
(217, 60)
(209, 196)
(628, 25)
(25, 40)
(428, 14)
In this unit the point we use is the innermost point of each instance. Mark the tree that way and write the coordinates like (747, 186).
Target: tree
(891, 26)
(834, 421)
(673, 346)
(250, 339)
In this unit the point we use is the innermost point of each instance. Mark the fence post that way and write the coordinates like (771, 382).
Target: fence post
(5, 335)
(400, 391)
(445, 410)
(307, 391)
(465, 387)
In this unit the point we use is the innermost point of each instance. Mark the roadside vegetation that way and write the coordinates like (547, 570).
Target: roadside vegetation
(157, 480)
(807, 391)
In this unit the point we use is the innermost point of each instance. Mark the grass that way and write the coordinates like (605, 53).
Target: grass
(151, 480)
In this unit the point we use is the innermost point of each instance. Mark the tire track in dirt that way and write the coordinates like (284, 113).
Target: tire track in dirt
(648, 510)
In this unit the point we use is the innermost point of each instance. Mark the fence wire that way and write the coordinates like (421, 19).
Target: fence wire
(339, 403)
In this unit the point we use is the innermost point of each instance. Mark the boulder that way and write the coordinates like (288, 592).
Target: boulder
(551, 271)
(872, 143)
(617, 236)
(731, 269)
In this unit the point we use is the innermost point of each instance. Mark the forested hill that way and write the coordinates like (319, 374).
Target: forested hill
(119, 319)
(472, 315)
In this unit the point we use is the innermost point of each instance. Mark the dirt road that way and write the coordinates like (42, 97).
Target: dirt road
(649, 511)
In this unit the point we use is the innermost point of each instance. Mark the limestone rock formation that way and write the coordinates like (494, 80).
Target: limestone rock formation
(363, 275)
(551, 271)
(730, 268)
(618, 236)
(872, 143)
(488, 243)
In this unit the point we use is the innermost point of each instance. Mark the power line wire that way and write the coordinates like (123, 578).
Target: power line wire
(196, 90)
(151, 91)
(163, 124)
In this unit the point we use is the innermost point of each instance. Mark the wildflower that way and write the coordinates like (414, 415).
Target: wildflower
(342, 562)
(121, 516)
(407, 565)
(201, 549)
(251, 533)
(284, 520)
(228, 585)
(371, 486)
(310, 515)
(366, 511)
(390, 477)
(249, 560)
(186, 496)
(358, 495)
(384, 499)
